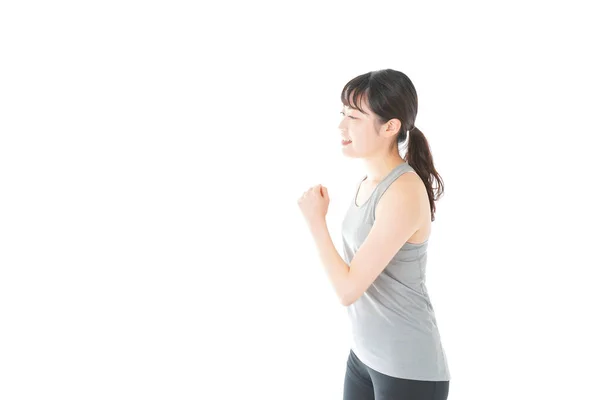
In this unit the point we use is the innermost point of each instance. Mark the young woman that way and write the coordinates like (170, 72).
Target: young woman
(396, 350)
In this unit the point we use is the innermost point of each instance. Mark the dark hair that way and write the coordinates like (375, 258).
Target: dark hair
(391, 94)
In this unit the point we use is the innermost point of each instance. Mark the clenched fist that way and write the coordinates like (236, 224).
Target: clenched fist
(314, 203)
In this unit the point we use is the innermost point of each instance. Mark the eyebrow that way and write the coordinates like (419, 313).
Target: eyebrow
(353, 108)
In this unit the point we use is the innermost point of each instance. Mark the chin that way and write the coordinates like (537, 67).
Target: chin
(348, 154)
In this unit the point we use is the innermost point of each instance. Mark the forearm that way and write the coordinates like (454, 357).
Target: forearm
(335, 267)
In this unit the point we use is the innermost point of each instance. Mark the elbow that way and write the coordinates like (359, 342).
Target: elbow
(349, 293)
(348, 299)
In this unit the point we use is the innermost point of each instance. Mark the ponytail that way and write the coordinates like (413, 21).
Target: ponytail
(418, 156)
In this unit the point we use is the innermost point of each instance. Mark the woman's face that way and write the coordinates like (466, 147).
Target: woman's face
(362, 130)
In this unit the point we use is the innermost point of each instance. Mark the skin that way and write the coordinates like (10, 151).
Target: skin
(402, 214)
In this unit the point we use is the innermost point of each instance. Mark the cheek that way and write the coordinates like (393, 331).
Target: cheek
(364, 142)
(359, 136)
(356, 131)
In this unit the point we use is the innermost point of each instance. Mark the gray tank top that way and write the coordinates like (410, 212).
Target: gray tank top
(393, 324)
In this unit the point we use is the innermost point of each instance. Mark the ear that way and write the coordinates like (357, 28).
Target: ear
(393, 126)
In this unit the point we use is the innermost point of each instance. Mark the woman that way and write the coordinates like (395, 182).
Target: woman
(396, 350)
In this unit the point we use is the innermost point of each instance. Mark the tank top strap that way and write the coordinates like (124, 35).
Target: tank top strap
(385, 184)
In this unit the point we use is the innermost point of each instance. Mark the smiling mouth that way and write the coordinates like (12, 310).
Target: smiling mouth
(345, 142)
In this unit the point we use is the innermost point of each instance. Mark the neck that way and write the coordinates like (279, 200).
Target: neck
(377, 169)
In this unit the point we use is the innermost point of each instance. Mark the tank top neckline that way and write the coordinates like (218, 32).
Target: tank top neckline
(397, 167)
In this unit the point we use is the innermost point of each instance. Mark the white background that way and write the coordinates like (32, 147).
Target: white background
(151, 156)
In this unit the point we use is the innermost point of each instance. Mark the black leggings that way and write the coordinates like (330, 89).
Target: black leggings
(364, 383)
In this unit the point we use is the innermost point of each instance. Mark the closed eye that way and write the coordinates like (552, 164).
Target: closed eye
(341, 112)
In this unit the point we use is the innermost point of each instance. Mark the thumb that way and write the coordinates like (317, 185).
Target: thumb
(325, 193)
